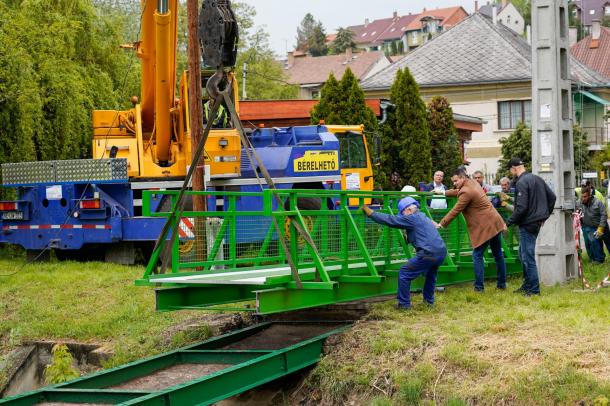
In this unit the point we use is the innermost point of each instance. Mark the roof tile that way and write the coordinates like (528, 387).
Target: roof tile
(314, 70)
(474, 51)
(597, 58)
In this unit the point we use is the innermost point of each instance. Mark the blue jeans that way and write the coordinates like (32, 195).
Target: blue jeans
(595, 247)
(527, 254)
(420, 264)
(495, 243)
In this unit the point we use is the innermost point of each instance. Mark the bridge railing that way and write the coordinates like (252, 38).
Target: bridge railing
(252, 238)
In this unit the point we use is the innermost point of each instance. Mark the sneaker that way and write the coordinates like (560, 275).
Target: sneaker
(501, 287)
(528, 293)
(401, 307)
(479, 290)
(520, 290)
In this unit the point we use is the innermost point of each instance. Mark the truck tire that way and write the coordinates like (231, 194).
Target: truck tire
(38, 255)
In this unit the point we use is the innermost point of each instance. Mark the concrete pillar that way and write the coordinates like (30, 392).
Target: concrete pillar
(552, 151)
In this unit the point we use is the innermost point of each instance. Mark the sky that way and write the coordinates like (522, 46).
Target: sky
(281, 18)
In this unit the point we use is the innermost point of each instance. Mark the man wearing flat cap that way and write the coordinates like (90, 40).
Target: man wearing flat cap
(534, 203)
(429, 247)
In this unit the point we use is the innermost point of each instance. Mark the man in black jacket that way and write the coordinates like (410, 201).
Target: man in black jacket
(534, 203)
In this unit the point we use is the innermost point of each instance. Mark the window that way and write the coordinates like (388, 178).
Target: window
(414, 36)
(510, 113)
(315, 94)
(607, 10)
(351, 150)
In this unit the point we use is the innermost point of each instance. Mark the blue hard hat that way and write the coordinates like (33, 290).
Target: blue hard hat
(406, 202)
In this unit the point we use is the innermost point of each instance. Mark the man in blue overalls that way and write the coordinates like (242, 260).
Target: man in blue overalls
(429, 246)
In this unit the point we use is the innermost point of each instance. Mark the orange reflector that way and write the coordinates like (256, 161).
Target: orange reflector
(8, 206)
(90, 204)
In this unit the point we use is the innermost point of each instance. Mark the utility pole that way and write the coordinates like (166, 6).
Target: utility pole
(196, 119)
(243, 85)
(552, 143)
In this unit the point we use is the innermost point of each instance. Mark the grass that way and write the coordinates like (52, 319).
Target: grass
(484, 349)
(87, 302)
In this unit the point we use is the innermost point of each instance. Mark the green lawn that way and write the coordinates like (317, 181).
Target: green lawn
(491, 348)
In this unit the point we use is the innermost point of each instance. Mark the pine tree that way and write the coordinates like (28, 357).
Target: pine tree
(304, 32)
(446, 154)
(311, 36)
(317, 41)
(343, 41)
(342, 102)
(406, 139)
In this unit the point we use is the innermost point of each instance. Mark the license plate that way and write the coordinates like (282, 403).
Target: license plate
(12, 215)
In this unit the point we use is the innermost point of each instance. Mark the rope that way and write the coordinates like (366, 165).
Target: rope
(577, 227)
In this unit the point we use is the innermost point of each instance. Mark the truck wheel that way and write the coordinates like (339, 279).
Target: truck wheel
(38, 255)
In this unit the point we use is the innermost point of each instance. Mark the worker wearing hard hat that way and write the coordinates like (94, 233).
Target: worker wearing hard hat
(429, 247)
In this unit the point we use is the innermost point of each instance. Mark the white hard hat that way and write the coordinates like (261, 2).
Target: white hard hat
(409, 188)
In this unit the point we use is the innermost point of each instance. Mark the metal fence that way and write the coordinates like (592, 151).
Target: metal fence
(240, 242)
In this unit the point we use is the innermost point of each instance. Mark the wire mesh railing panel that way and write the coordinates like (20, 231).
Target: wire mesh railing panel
(244, 231)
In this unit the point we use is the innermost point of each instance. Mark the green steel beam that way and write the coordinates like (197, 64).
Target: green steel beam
(248, 369)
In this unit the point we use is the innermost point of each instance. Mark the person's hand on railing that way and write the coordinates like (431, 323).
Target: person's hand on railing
(436, 224)
(367, 210)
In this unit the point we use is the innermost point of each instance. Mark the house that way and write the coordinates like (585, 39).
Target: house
(593, 51)
(429, 23)
(586, 11)
(310, 73)
(411, 30)
(394, 34)
(365, 36)
(506, 13)
(484, 70)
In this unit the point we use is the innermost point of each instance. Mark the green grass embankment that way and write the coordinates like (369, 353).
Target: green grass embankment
(86, 302)
(484, 349)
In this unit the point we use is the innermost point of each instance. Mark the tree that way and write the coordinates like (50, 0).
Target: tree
(311, 36)
(305, 32)
(517, 144)
(406, 150)
(317, 42)
(58, 61)
(343, 41)
(265, 77)
(342, 102)
(446, 154)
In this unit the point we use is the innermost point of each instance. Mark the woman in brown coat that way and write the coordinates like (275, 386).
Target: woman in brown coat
(485, 226)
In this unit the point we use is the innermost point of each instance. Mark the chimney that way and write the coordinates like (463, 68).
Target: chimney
(504, 3)
(348, 54)
(424, 10)
(366, 22)
(290, 59)
(528, 34)
(476, 6)
(595, 30)
(395, 14)
(572, 35)
(494, 14)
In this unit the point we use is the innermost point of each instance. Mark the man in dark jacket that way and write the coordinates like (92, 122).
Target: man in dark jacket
(534, 203)
(429, 247)
(594, 224)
